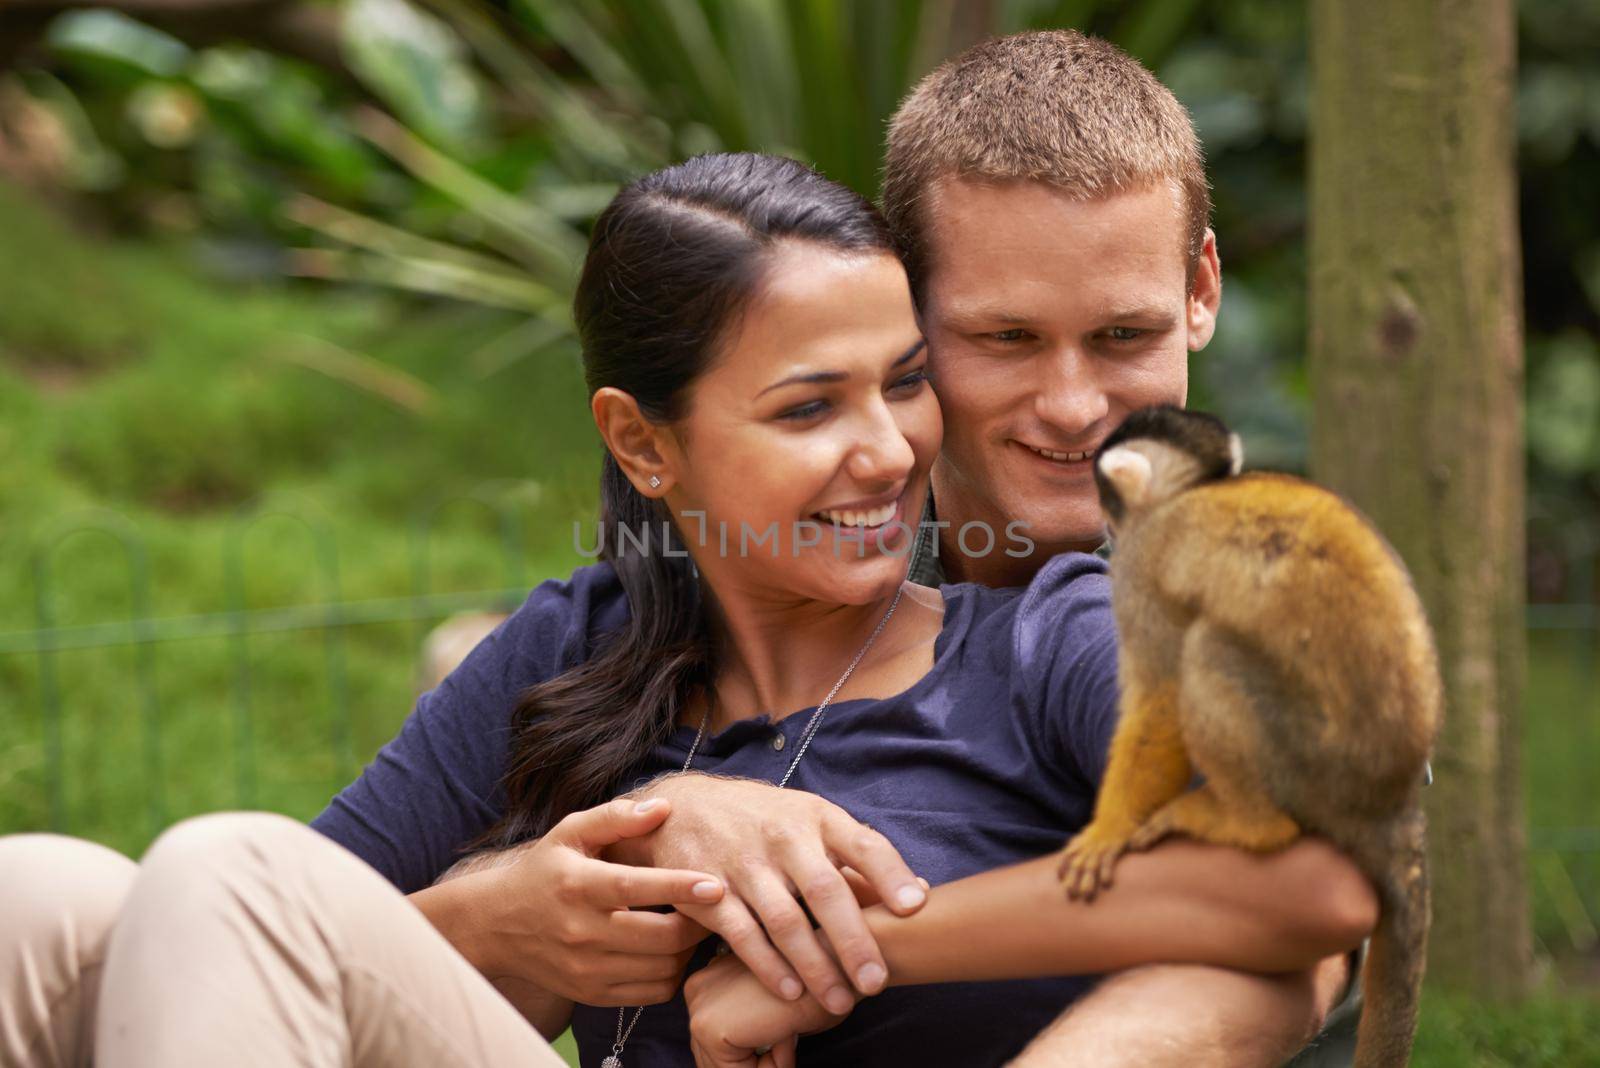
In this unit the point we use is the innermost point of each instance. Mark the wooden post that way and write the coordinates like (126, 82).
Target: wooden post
(1416, 376)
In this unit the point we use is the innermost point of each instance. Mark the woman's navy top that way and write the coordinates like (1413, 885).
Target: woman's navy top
(992, 758)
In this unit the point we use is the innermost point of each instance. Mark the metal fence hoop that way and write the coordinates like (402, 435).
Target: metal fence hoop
(47, 542)
(319, 527)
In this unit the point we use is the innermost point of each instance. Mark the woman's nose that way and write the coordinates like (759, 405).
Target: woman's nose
(883, 454)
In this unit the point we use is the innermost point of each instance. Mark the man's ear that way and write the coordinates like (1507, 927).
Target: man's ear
(1205, 295)
(633, 440)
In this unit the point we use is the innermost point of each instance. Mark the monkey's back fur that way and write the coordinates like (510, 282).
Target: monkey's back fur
(1282, 634)
(1280, 577)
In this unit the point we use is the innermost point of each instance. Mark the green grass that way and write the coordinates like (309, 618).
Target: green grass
(1546, 1031)
(1561, 752)
(130, 383)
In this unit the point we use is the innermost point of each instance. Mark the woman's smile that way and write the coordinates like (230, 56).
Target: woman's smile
(816, 419)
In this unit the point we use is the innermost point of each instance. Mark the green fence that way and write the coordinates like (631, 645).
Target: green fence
(1562, 740)
(327, 622)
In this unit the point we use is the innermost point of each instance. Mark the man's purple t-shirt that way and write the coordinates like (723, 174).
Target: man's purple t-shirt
(991, 758)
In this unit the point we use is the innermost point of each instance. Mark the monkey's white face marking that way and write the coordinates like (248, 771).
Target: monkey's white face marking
(1130, 472)
(1235, 454)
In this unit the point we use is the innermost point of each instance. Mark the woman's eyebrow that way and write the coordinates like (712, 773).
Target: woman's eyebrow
(806, 377)
(812, 377)
(910, 353)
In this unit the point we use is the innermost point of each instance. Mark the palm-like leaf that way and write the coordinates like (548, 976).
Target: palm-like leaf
(598, 91)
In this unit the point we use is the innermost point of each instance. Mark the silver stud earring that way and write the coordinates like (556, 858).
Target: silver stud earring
(655, 483)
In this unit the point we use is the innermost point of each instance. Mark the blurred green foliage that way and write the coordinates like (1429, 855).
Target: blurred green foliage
(467, 143)
(1547, 1031)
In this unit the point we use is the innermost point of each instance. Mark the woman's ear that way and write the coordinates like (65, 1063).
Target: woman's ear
(634, 441)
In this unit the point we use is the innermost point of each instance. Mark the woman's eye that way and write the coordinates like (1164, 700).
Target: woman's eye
(804, 412)
(911, 381)
(1124, 333)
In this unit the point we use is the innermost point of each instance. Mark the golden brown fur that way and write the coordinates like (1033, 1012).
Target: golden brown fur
(1272, 642)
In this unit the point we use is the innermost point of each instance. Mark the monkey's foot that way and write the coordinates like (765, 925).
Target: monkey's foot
(1089, 858)
(1153, 830)
(1205, 816)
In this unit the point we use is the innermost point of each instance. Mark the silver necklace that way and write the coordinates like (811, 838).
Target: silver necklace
(810, 732)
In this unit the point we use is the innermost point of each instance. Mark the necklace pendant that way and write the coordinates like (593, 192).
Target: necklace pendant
(612, 1061)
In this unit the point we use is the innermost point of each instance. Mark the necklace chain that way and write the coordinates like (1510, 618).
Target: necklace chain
(810, 732)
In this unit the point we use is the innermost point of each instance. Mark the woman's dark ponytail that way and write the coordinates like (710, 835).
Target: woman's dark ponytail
(672, 262)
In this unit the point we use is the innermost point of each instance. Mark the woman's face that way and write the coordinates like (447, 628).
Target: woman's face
(802, 463)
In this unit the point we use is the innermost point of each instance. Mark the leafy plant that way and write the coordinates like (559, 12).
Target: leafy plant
(469, 142)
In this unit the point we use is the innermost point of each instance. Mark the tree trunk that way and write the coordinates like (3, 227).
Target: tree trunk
(1416, 375)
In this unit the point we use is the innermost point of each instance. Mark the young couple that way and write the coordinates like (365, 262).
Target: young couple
(763, 349)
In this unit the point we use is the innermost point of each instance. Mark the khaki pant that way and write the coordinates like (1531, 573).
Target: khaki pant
(242, 939)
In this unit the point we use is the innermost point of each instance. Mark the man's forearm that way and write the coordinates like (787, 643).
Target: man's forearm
(1180, 903)
(1189, 1016)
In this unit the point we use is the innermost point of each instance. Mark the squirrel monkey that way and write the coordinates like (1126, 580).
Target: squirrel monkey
(1272, 642)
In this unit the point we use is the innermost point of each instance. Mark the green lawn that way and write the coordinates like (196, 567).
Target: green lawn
(131, 383)
(1548, 1031)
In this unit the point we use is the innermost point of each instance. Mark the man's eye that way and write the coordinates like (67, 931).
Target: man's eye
(804, 412)
(1124, 333)
(1014, 334)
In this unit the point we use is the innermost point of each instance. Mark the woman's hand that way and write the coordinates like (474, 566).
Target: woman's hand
(735, 1022)
(551, 914)
(770, 847)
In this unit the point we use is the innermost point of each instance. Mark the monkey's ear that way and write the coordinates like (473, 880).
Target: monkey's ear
(1235, 454)
(1129, 472)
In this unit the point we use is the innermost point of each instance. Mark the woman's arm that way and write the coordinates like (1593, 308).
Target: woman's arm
(455, 913)
(550, 924)
(1183, 902)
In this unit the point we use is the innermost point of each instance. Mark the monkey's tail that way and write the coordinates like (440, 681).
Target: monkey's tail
(1392, 981)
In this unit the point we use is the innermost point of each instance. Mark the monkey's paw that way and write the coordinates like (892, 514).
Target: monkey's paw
(1089, 858)
(1152, 831)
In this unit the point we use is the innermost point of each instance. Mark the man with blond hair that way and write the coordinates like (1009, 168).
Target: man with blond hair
(1050, 200)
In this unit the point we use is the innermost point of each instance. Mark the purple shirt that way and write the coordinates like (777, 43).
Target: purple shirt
(991, 758)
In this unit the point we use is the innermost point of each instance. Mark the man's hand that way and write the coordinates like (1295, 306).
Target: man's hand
(767, 845)
(735, 1022)
(551, 914)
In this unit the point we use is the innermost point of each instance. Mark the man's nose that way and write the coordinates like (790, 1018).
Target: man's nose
(1070, 396)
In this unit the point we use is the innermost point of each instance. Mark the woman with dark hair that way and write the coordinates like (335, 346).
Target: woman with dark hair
(757, 374)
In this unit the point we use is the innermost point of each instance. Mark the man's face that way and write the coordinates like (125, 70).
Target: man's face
(1048, 320)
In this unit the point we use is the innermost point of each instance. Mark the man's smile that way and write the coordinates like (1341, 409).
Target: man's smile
(1062, 461)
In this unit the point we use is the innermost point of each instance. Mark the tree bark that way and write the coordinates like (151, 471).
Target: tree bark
(1416, 376)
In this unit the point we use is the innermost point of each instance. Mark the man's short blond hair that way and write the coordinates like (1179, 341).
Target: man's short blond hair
(1052, 106)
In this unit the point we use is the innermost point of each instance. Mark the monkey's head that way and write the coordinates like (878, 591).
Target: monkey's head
(1158, 453)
